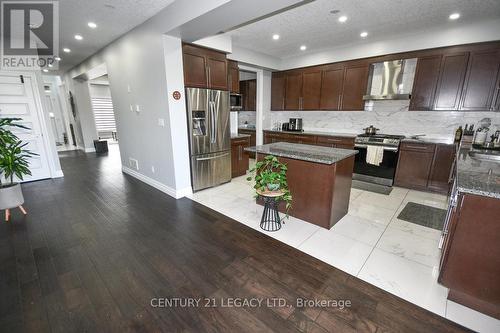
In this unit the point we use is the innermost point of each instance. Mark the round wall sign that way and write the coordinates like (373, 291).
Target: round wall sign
(177, 95)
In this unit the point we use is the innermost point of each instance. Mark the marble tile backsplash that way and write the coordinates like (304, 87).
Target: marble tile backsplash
(391, 117)
(248, 116)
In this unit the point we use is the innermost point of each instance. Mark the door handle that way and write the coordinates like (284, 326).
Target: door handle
(211, 158)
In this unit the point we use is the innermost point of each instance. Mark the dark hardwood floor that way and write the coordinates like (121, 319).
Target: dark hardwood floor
(98, 245)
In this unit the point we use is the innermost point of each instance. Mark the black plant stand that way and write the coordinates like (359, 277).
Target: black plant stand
(270, 220)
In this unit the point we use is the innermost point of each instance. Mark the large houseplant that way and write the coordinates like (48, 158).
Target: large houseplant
(270, 177)
(13, 163)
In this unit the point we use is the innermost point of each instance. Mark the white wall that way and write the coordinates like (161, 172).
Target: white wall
(84, 114)
(99, 90)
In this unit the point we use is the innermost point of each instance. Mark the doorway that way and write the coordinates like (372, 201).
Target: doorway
(20, 98)
(102, 107)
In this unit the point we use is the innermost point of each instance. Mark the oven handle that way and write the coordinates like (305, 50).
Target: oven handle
(395, 149)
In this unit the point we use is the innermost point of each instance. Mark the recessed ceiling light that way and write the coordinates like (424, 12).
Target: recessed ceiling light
(57, 59)
(92, 25)
(276, 36)
(66, 50)
(303, 48)
(78, 37)
(454, 16)
(363, 34)
(342, 19)
(45, 70)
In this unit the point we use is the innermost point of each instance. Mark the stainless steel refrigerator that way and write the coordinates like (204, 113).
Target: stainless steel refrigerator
(210, 137)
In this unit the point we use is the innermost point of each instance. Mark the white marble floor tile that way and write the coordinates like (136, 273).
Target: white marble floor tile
(471, 319)
(371, 212)
(355, 193)
(415, 229)
(409, 246)
(339, 251)
(428, 199)
(391, 201)
(405, 278)
(360, 229)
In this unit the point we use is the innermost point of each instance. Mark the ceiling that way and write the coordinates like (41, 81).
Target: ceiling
(314, 26)
(113, 19)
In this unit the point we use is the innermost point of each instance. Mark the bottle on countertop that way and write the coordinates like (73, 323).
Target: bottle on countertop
(458, 134)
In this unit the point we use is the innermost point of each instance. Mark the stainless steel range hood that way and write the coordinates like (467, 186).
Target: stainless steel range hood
(386, 81)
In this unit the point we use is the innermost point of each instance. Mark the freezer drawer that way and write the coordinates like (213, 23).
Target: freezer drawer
(209, 170)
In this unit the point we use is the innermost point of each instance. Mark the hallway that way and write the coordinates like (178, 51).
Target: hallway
(98, 245)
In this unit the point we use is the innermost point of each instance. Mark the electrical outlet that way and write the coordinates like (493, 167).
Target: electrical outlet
(161, 122)
(131, 108)
(128, 88)
(153, 169)
(133, 163)
(137, 108)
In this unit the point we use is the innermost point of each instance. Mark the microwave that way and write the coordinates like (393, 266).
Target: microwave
(236, 101)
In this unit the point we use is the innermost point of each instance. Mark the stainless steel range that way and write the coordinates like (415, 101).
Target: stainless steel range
(383, 172)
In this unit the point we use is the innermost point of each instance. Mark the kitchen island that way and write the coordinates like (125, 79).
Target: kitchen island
(319, 179)
(470, 261)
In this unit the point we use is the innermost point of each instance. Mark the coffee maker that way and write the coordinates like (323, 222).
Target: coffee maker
(295, 124)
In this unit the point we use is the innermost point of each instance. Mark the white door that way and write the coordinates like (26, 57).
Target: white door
(17, 100)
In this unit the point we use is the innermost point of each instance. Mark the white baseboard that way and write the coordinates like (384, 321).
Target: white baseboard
(58, 174)
(177, 194)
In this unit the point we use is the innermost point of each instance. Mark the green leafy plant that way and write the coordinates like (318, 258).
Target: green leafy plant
(270, 176)
(13, 156)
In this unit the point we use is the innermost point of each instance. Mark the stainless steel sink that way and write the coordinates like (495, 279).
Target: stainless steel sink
(485, 156)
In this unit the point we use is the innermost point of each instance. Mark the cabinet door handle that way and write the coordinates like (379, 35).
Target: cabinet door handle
(416, 147)
(283, 103)
(209, 77)
(338, 102)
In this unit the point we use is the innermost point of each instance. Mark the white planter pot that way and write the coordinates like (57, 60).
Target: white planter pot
(11, 197)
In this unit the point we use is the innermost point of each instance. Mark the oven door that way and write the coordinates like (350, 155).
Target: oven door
(382, 174)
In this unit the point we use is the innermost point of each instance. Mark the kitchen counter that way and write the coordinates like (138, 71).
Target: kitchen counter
(475, 176)
(247, 128)
(430, 140)
(316, 154)
(320, 133)
(239, 136)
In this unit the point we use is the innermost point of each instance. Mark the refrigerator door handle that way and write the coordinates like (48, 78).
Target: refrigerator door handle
(213, 122)
(211, 158)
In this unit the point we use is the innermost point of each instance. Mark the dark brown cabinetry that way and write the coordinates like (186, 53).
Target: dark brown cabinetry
(239, 157)
(425, 82)
(354, 87)
(331, 88)
(425, 166)
(278, 81)
(470, 264)
(233, 78)
(481, 83)
(293, 91)
(253, 139)
(335, 142)
(248, 90)
(451, 79)
(204, 68)
(311, 89)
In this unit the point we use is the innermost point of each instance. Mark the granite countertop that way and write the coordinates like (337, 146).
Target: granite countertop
(347, 135)
(239, 136)
(433, 140)
(316, 154)
(246, 128)
(475, 176)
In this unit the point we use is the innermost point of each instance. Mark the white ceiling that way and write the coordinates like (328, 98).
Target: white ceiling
(113, 19)
(314, 26)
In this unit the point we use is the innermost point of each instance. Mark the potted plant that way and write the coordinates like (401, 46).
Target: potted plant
(270, 178)
(13, 163)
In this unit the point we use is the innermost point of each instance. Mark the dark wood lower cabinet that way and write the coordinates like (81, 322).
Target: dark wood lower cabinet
(425, 167)
(470, 263)
(239, 157)
(253, 139)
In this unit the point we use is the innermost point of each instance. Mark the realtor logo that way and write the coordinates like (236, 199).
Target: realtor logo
(29, 34)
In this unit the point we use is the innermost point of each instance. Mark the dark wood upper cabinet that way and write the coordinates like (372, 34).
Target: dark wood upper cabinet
(331, 88)
(425, 82)
(248, 90)
(233, 76)
(311, 89)
(451, 80)
(354, 87)
(204, 68)
(480, 86)
(278, 80)
(293, 90)
(195, 69)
